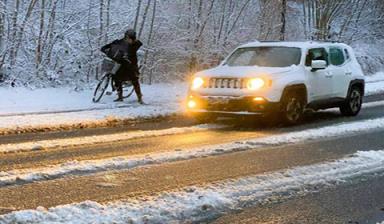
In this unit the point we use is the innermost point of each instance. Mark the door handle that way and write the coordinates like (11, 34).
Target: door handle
(328, 75)
(348, 73)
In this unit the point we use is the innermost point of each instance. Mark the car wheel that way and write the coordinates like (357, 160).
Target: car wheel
(353, 104)
(292, 109)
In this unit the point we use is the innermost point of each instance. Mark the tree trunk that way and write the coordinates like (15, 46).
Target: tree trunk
(198, 23)
(13, 31)
(101, 34)
(40, 37)
(203, 25)
(221, 22)
(144, 18)
(49, 34)
(2, 26)
(236, 20)
(108, 21)
(283, 19)
(137, 13)
(150, 35)
(20, 35)
(3, 9)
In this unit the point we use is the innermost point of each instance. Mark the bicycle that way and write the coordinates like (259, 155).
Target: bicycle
(107, 80)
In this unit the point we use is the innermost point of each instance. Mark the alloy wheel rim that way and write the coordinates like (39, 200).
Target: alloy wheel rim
(293, 110)
(356, 100)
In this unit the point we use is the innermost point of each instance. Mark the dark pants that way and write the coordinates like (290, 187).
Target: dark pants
(127, 72)
(135, 82)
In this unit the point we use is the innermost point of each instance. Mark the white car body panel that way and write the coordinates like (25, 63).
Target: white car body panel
(331, 82)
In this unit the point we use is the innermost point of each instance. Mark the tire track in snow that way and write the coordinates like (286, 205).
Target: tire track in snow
(87, 140)
(97, 139)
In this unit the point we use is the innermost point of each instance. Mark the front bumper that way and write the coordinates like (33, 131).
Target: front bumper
(231, 105)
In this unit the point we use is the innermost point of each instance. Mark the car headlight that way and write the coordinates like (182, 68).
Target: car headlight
(255, 84)
(197, 83)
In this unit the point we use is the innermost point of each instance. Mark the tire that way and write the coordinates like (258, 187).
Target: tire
(353, 103)
(292, 109)
(101, 87)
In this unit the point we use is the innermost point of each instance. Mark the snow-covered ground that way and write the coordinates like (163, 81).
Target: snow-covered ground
(19, 101)
(23, 109)
(375, 84)
(194, 204)
(128, 162)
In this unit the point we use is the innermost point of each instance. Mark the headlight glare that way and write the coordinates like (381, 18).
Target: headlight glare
(197, 83)
(192, 104)
(255, 83)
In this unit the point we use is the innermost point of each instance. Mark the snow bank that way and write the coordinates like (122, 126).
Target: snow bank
(56, 109)
(20, 101)
(196, 204)
(375, 84)
(128, 162)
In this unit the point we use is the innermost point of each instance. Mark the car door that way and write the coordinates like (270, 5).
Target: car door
(340, 71)
(320, 81)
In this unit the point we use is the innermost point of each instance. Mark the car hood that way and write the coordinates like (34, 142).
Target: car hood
(244, 72)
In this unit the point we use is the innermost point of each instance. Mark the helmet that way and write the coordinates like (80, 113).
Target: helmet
(131, 34)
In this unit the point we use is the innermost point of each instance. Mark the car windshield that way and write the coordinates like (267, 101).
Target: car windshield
(265, 57)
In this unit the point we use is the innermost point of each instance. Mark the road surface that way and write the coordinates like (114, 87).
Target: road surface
(359, 199)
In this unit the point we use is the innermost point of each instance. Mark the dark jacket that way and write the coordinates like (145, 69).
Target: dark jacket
(126, 55)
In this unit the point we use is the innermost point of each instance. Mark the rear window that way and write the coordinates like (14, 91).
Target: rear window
(265, 57)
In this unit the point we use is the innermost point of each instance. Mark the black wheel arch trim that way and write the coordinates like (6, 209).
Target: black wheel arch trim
(359, 82)
(295, 87)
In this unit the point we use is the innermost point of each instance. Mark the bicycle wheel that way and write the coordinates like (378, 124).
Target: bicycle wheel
(131, 90)
(101, 87)
(128, 87)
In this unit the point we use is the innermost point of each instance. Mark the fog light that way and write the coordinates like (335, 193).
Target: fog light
(258, 99)
(192, 104)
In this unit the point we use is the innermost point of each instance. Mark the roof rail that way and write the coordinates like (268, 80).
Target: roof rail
(266, 41)
(323, 41)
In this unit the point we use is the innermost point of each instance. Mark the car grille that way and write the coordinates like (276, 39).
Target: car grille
(229, 83)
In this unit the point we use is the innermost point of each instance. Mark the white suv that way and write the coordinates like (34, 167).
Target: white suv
(280, 79)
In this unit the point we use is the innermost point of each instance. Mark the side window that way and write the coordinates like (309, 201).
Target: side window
(316, 54)
(336, 56)
(347, 56)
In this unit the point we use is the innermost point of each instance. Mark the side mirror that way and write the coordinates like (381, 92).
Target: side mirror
(318, 65)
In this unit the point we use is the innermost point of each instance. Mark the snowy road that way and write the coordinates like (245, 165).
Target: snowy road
(360, 201)
(164, 171)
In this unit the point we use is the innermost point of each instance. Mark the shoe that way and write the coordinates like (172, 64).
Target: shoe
(140, 100)
(119, 99)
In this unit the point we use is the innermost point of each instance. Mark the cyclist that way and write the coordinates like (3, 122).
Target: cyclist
(124, 52)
